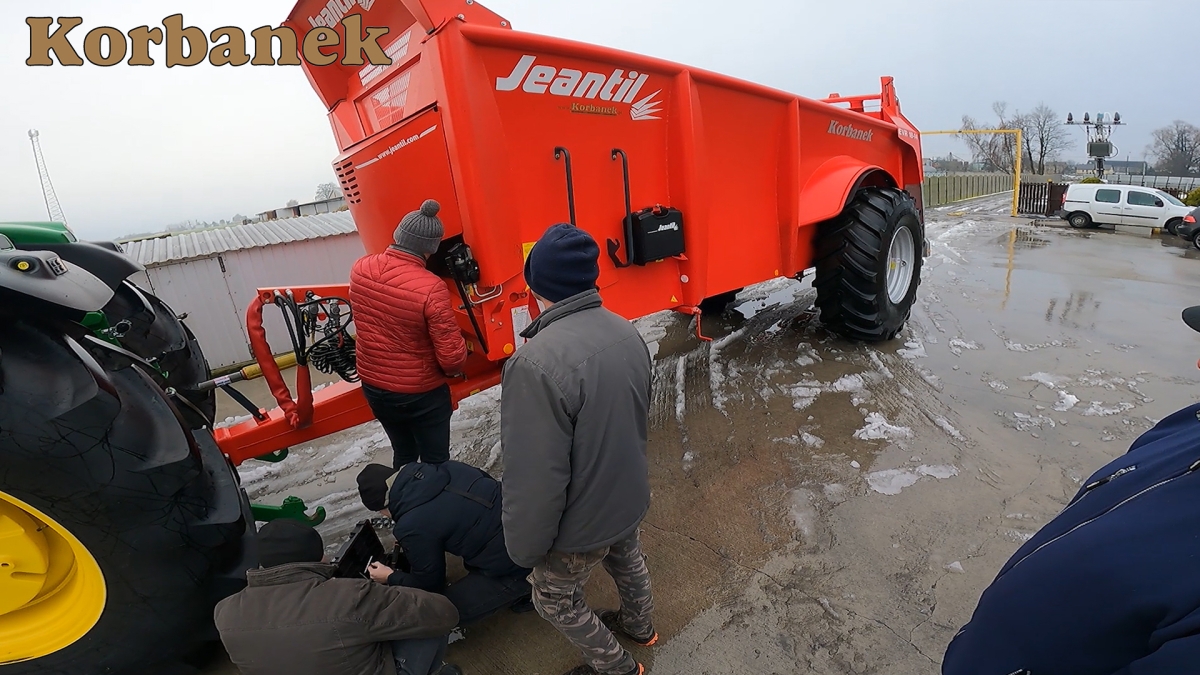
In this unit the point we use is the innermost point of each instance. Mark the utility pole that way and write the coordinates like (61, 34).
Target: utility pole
(1099, 146)
(53, 208)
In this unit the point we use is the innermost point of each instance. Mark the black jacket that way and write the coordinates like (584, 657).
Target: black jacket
(447, 508)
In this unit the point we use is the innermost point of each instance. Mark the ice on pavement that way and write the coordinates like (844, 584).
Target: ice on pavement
(878, 429)
(804, 514)
(913, 349)
(1098, 409)
(945, 425)
(957, 345)
(811, 441)
(1066, 401)
(716, 368)
(359, 453)
(1045, 379)
(849, 383)
(893, 481)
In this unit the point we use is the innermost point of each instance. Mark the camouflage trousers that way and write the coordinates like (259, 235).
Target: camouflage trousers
(558, 596)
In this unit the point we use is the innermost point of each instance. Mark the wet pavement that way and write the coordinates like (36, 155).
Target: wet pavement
(823, 506)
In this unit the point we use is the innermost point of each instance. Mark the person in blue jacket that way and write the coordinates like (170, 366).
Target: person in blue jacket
(453, 508)
(1111, 586)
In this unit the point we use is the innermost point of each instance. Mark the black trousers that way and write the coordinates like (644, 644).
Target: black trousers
(419, 657)
(477, 596)
(418, 425)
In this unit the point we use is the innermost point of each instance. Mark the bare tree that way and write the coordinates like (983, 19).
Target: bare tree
(1045, 137)
(293, 202)
(1177, 149)
(328, 191)
(996, 152)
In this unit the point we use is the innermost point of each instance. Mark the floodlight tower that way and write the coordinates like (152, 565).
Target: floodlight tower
(1099, 146)
(53, 208)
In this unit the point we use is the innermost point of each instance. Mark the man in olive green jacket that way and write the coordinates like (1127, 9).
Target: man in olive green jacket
(295, 619)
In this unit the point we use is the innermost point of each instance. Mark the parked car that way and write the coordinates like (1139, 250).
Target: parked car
(1190, 229)
(1089, 205)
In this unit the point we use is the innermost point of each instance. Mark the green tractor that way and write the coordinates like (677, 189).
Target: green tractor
(121, 523)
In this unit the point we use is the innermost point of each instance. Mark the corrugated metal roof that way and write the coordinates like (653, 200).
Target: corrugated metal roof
(207, 243)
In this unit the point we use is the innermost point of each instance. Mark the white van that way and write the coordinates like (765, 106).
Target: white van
(1089, 205)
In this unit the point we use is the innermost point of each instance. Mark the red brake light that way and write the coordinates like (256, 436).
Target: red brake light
(1189, 218)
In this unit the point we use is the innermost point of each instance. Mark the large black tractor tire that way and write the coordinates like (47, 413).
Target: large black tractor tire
(155, 332)
(95, 444)
(853, 263)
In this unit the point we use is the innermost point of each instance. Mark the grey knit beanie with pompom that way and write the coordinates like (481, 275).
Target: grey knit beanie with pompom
(420, 232)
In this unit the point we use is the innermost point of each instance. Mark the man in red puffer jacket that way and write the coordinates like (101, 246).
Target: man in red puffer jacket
(408, 340)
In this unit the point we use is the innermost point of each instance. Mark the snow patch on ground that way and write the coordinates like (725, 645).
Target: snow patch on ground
(893, 481)
(804, 393)
(681, 388)
(884, 370)
(914, 349)
(1098, 409)
(957, 345)
(253, 473)
(849, 383)
(997, 386)
(878, 429)
(1045, 379)
(358, 453)
(1066, 401)
(716, 371)
(653, 329)
(949, 428)
(939, 471)
(804, 514)
(811, 441)
(1018, 347)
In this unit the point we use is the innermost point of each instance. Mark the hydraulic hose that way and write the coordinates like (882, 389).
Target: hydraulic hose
(462, 293)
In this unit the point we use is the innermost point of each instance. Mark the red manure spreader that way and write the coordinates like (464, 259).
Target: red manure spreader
(695, 184)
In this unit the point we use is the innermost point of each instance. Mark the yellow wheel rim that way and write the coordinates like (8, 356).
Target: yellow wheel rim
(51, 588)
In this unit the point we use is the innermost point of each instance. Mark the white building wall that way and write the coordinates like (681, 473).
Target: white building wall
(216, 299)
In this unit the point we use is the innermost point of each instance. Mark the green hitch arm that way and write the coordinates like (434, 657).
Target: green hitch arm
(292, 508)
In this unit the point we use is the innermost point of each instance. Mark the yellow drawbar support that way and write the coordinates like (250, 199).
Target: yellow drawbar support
(51, 588)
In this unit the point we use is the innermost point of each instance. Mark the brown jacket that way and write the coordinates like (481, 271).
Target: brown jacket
(296, 619)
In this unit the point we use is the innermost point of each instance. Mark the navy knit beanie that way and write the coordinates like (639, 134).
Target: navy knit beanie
(563, 263)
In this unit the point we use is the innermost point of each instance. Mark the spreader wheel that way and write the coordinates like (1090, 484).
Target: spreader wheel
(120, 527)
(869, 265)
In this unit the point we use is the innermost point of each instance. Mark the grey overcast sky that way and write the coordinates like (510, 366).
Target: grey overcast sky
(135, 149)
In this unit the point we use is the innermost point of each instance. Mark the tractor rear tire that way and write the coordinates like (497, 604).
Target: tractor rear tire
(869, 265)
(95, 448)
(155, 332)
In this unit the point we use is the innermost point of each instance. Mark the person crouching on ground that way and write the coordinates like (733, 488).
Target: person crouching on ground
(574, 408)
(447, 508)
(408, 340)
(294, 618)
